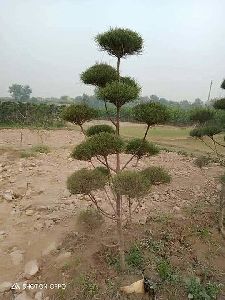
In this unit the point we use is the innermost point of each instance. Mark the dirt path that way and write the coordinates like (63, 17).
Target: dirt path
(42, 211)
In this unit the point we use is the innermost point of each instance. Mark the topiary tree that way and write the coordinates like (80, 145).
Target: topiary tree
(207, 126)
(109, 181)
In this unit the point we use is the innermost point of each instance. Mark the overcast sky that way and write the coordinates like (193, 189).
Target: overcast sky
(48, 43)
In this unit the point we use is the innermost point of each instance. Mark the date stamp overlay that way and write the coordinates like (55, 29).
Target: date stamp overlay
(38, 286)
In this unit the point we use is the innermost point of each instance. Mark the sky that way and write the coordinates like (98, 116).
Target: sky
(48, 43)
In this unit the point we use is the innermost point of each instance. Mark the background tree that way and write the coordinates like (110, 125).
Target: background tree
(119, 187)
(20, 92)
(209, 127)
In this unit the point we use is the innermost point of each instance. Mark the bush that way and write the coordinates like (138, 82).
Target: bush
(119, 93)
(96, 129)
(131, 184)
(151, 113)
(166, 272)
(140, 148)
(90, 219)
(219, 104)
(78, 114)
(134, 257)
(202, 161)
(84, 181)
(201, 115)
(41, 149)
(198, 291)
(156, 175)
(99, 75)
(102, 144)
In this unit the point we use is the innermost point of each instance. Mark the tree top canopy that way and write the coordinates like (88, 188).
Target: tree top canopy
(78, 113)
(223, 84)
(120, 42)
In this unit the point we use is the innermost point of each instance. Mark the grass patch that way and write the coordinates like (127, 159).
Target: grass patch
(166, 272)
(134, 257)
(202, 161)
(90, 219)
(199, 291)
(40, 149)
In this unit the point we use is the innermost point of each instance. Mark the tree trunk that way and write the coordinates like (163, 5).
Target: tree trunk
(118, 196)
(222, 211)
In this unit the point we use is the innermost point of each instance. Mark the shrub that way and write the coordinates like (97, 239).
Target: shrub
(219, 104)
(96, 129)
(202, 161)
(199, 291)
(99, 75)
(201, 115)
(131, 184)
(103, 170)
(166, 272)
(40, 149)
(141, 147)
(156, 175)
(78, 114)
(84, 181)
(90, 219)
(119, 93)
(27, 153)
(151, 113)
(88, 287)
(134, 257)
(83, 151)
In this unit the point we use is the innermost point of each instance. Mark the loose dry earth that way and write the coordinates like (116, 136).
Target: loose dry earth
(37, 211)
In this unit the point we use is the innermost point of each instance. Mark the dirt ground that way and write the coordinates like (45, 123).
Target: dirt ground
(42, 212)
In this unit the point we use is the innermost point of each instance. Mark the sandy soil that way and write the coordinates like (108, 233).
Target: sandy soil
(43, 211)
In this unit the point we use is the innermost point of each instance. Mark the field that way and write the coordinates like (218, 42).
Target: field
(174, 236)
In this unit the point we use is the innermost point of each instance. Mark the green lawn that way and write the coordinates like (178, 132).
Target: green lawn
(175, 138)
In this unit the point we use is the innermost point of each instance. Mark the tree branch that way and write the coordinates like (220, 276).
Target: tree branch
(106, 108)
(106, 164)
(145, 135)
(92, 197)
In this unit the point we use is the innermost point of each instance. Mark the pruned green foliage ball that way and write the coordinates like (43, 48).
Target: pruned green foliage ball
(156, 175)
(209, 131)
(96, 129)
(219, 104)
(102, 144)
(83, 151)
(79, 114)
(202, 161)
(201, 115)
(85, 181)
(119, 93)
(90, 219)
(151, 113)
(223, 84)
(140, 148)
(130, 81)
(103, 170)
(99, 75)
(120, 42)
(131, 184)
(197, 132)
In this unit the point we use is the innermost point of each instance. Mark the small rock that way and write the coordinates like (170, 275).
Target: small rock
(176, 208)
(8, 195)
(23, 296)
(49, 249)
(39, 295)
(31, 268)
(49, 223)
(2, 232)
(29, 212)
(38, 226)
(5, 286)
(17, 257)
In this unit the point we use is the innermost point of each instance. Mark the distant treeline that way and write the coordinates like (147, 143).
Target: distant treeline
(30, 114)
(45, 114)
